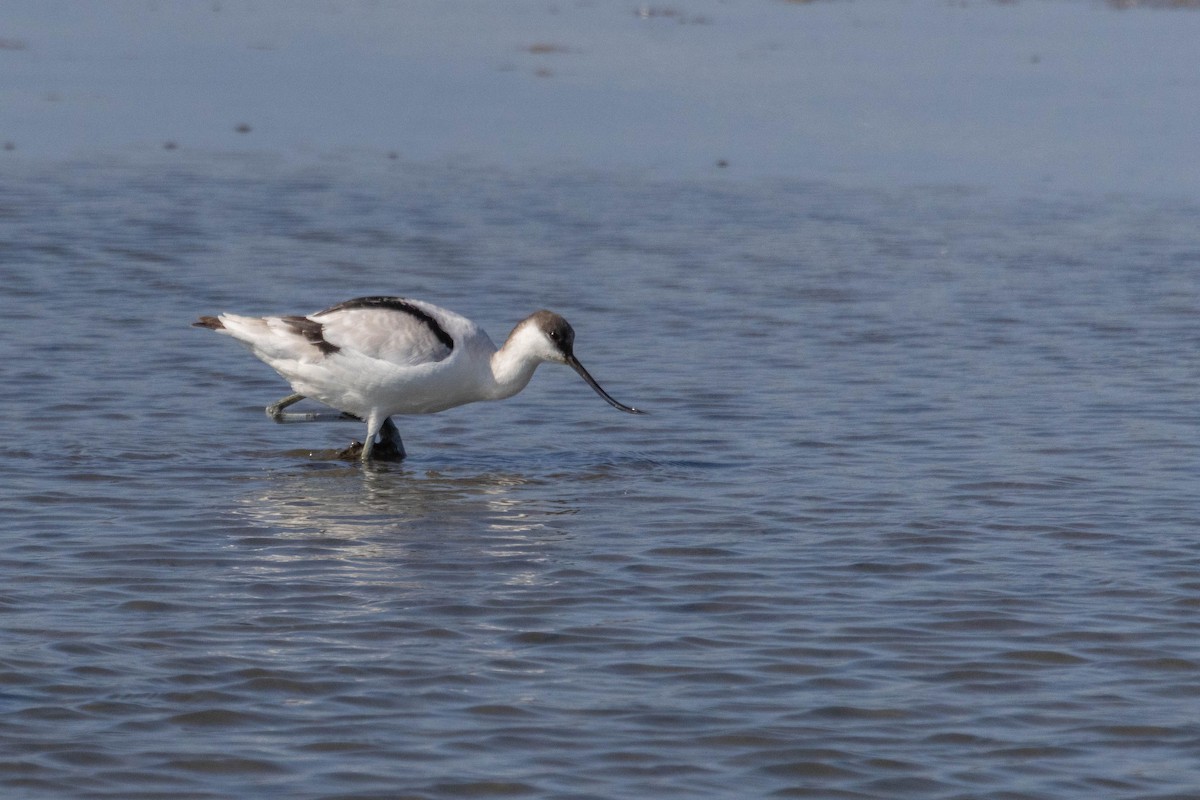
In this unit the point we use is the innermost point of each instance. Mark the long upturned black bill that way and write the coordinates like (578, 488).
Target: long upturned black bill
(583, 373)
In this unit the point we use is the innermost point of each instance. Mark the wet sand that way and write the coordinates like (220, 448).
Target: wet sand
(1034, 95)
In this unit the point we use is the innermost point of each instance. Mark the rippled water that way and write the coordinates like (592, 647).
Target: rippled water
(914, 513)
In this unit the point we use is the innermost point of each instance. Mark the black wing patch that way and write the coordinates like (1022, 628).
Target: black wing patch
(391, 304)
(313, 331)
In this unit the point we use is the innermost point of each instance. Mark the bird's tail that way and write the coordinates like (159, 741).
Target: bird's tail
(268, 337)
(212, 323)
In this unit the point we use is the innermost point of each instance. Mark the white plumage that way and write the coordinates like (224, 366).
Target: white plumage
(374, 357)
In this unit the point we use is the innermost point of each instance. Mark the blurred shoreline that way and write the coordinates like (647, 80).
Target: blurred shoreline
(1072, 96)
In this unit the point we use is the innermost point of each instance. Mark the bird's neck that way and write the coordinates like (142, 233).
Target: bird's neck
(511, 371)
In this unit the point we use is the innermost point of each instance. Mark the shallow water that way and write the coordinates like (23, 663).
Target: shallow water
(913, 514)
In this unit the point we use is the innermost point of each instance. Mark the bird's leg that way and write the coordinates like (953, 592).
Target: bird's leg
(275, 412)
(374, 424)
(388, 448)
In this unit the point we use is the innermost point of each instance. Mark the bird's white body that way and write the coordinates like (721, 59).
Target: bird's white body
(384, 362)
(375, 357)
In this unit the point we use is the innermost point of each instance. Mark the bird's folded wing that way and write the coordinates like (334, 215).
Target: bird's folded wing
(387, 334)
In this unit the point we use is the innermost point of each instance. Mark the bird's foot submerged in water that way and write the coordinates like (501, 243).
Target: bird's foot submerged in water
(389, 447)
(382, 451)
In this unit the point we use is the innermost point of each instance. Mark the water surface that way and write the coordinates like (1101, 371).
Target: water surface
(913, 513)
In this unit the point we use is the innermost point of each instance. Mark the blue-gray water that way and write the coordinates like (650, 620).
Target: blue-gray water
(914, 513)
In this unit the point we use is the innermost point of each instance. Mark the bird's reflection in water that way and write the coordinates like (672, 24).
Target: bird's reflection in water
(372, 523)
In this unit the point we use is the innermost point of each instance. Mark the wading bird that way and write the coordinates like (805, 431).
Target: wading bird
(374, 357)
